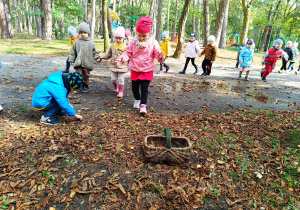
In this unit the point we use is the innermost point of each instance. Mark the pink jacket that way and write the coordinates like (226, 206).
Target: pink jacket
(192, 49)
(142, 59)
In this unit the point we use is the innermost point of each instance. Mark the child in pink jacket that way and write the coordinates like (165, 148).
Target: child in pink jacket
(142, 50)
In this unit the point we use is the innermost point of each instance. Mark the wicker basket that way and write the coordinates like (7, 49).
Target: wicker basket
(156, 149)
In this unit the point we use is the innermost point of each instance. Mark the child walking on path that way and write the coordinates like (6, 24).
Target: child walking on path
(165, 47)
(118, 70)
(239, 51)
(192, 50)
(246, 59)
(295, 55)
(142, 50)
(289, 51)
(73, 36)
(83, 54)
(210, 52)
(270, 58)
(50, 96)
(1, 109)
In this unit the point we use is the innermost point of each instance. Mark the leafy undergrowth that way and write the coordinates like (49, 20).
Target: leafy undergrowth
(240, 160)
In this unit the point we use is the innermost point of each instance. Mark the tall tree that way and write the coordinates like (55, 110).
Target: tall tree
(104, 25)
(4, 32)
(206, 24)
(85, 7)
(152, 14)
(110, 26)
(100, 19)
(29, 18)
(182, 21)
(194, 15)
(8, 18)
(246, 5)
(198, 19)
(93, 19)
(220, 19)
(17, 18)
(46, 20)
(222, 43)
(38, 25)
(24, 17)
(168, 16)
(159, 15)
(175, 20)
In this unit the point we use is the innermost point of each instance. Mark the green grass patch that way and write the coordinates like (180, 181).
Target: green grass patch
(31, 45)
(293, 138)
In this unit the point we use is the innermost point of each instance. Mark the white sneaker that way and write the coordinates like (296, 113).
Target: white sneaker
(279, 71)
(1, 109)
(136, 104)
(143, 109)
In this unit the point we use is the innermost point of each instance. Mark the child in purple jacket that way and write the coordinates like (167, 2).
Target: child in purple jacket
(192, 50)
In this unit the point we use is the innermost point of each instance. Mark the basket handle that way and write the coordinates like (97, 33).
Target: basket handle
(168, 136)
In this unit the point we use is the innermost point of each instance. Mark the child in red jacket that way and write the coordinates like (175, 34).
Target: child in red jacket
(270, 58)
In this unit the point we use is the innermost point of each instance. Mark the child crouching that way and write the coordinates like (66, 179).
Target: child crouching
(118, 70)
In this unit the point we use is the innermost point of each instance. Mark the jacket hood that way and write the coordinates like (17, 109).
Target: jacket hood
(56, 78)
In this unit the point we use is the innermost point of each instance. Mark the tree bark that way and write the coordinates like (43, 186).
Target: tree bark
(206, 25)
(110, 26)
(4, 32)
(182, 22)
(93, 19)
(104, 26)
(198, 20)
(38, 26)
(85, 8)
(153, 29)
(17, 19)
(29, 18)
(222, 43)
(263, 40)
(194, 16)
(159, 15)
(246, 11)
(100, 19)
(168, 16)
(219, 22)
(24, 18)
(46, 20)
(8, 19)
(175, 20)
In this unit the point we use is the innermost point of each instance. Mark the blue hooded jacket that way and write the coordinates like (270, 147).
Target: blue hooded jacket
(53, 87)
(246, 56)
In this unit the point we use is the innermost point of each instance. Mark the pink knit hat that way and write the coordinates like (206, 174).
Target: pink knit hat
(127, 32)
(144, 25)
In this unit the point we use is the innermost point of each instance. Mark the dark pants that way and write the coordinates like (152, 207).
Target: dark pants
(163, 64)
(85, 74)
(283, 64)
(67, 64)
(52, 109)
(206, 66)
(291, 66)
(237, 64)
(187, 62)
(143, 96)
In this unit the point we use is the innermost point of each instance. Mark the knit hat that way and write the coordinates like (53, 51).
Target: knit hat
(119, 32)
(144, 25)
(165, 34)
(289, 43)
(211, 38)
(277, 41)
(1, 64)
(250, 41)
(127, 32)
(76, 80)
(72, 31)
(295, 44)
(193, 34)
(84, 27)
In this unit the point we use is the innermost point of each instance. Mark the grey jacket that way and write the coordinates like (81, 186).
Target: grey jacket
(83, 53)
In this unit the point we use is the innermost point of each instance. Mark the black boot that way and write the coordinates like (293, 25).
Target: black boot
(182, 72)
(85, 88)
(196, 72)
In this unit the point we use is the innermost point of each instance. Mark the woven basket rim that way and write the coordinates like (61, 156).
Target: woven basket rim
(188, 141)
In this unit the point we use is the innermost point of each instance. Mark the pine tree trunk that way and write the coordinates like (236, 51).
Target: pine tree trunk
(8, 19)
(159, 15)
(85, 8)
(93, 20)
(175, 20)
(182, 22)
(153, 29)
(206, 25)
(168, 16)
(100, 19)
(110, 26)
(194, 16)
(104, 26)
(24, 18)
(246, 10)
(46, 20)
(198, 20)
(16, 17)
(29, 18)
(38, 26)
(219, 22)
(62, 25)
(263, 41)
(222, 43)
(4, 32)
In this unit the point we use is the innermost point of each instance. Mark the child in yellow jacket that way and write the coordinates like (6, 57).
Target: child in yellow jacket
(165, 47)
(73, 36)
